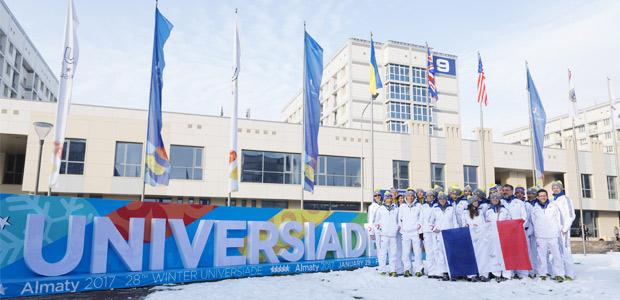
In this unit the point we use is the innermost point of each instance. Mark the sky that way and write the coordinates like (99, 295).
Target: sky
(116, 40)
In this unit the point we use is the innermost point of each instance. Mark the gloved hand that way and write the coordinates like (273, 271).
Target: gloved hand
(398, 228)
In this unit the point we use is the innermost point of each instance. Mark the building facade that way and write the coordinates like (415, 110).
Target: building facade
(345, 94)
(103, 159)
(24, 74)
(594, 125)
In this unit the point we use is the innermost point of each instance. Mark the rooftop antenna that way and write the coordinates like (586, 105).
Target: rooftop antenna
(247, 113)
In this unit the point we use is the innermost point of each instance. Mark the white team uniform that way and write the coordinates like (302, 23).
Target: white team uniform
(386, 220)
(427, 233)
(567, 212)
(400, 268)
(494, 214)
(517, 210)
(531, 238)
(468, 221)
(441, 219)
(461, 205)
(547, 220)
(372, 212)
(409, 220)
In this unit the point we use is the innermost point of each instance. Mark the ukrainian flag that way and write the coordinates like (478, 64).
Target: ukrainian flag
(375, 79)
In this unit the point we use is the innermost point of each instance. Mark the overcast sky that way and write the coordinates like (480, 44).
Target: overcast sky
(116, 39)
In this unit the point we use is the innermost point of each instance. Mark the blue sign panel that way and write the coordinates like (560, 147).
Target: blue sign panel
(445, 65)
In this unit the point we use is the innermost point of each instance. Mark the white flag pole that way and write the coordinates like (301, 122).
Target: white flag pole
(233, 169)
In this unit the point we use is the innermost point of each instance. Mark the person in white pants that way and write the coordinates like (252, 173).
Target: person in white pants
(442, 217)
(387, 224)
(530, 201)
(567, 212)
(409, 222)
(547, 221)
(473, 217)
(427, 233)
(517, 210)
(498, 212)
(372, 210)
(398, 199)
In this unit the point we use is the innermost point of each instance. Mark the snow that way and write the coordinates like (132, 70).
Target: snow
(598, 277)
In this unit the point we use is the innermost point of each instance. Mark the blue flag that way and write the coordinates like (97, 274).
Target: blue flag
(460, 252)
(539, 120)
(313, 72)
(157, 170)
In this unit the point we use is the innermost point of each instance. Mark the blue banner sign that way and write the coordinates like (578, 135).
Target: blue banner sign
(444, 65)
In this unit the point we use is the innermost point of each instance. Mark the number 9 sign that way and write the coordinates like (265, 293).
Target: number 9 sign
(445, 65)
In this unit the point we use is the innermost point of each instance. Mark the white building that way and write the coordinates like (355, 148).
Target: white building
(345, 88)
(594, 124)
(24, 74)
(103, 159)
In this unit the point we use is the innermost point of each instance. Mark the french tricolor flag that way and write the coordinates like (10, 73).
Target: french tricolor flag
(492, 247)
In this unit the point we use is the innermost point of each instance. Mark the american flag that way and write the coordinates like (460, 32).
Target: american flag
(482, 90)
(431, 75)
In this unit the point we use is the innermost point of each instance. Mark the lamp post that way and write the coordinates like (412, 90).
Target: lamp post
(362, 158)
(42, 130)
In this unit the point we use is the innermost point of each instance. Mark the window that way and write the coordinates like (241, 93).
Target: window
(190, 201)
(437, 175)
(156, 199)
(179, 200)
(73, 153)
(399, 72)
(607, 135)
(274, 204)
(338, 171)
(609, 149)
(316, 205)
(14, 169)
(606, 122)
(253, 203)
(611, 187)
(581, 128)
(244, 202)
(470, 176)
(582, 142)
(233, 202)
(398, 126)
(128, 161)
(399, 91)
(345, 206)
(586, 188)
(185, 162)
(420, 94)
(205, 201)
(419, 75)
(399, 111)
(590, 218)
(400, 174)
(270, 167)
(420, 112)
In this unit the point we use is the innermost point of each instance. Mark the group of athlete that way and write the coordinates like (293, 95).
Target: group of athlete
(402, 224)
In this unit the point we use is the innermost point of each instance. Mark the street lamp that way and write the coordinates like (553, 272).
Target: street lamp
(42, 130)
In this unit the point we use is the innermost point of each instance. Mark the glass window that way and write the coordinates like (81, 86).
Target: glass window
(274, 204)
(233, 202)
(611, 187)
(400, 174)
(437, 175)
(347, 206)
(270, 167)
(586, 187)
(128, 162)
(253, 203)
(398, 126)
(590, 218)
(14, 169)
(205, 201)
(420, 94)
(185, 162)
(399, 72)
(316, 205)
(73, 153)
(420, 112)
(399, 91)
(243, 203)
(419, 75)
(338, 171)
(471, 177)
(157, 199)
(399, 111)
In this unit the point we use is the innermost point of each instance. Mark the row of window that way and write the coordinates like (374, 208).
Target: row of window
(399, 110)
(233, 202)
(399, 91)
(586, 187)
(402, 72)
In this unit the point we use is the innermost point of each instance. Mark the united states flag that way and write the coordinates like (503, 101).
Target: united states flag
(482, 90)
(431, 75)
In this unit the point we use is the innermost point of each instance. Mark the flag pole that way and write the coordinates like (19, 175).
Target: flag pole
(529, 113)
(428, 125)
(613, 129)
(303, 128)
(482, 137)
(362, 159)
(583, 236)
(372, 131)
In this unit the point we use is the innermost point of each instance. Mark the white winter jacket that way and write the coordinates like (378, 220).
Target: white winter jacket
(546, 220)
(425, 213)
(517, 210)
(567, 212)
(409, 219)
(387, 220)
(467, 221)
(461, 205)
(528, 209)
(495, 213)
(372, 211)
(443, 218)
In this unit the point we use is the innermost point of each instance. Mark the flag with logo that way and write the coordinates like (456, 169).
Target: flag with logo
(573, 111)
(71, 53)
(157, 164)
(539, 121)
(233, 169)
(313, 73)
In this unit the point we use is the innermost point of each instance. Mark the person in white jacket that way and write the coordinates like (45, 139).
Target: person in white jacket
(460, 202)
(547, 220)
(530, 201)
(442, 217)
(398, 199)
(483, 201)
(498, 212)
(387, 224)
(372, 210)
(410, 225)
(473, 217)
(427, 233)
(517, 210)
(567, 213)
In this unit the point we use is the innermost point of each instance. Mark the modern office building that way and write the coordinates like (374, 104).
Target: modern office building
(103, 154)
(404, 97)
(24, 74)
(594, 124)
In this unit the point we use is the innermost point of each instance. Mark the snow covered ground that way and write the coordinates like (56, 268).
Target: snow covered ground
(598, 277)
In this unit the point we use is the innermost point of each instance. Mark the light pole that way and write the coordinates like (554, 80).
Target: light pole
(42, 130)
(362, 158)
